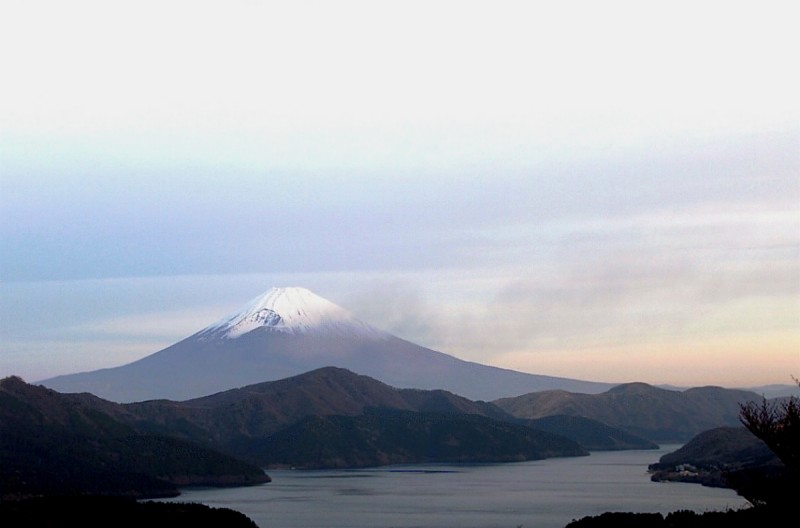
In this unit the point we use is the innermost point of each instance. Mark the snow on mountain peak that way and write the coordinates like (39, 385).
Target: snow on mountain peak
(291, 310)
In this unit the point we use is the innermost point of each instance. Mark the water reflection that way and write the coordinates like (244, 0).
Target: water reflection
(546, 494)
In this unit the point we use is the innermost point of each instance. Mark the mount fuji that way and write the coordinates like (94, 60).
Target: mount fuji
(289, 331)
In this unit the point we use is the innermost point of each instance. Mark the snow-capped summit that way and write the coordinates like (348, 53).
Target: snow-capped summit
(291, 310)
(289, 331)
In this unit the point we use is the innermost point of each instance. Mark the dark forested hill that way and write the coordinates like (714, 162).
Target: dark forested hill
(52, 444)
(119, 512)
(721, 447)
(591, 434)
(381, 424)
(263, 409)
(254, 422)
(657, 414)
(383, 437)
(714, 457)
(251, 421)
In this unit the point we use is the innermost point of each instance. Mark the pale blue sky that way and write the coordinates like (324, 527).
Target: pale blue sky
(605, 191)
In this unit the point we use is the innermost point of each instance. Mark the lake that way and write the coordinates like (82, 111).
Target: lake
(543, 494)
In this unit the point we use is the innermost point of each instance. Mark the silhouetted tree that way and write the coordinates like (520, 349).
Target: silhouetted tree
(777, 424)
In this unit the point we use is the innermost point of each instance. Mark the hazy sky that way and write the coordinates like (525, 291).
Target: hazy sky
(597, 190)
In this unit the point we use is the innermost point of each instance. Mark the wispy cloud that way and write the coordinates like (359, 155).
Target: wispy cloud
(515, 180)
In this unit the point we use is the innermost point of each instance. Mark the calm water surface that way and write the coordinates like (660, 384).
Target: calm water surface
(545, 494)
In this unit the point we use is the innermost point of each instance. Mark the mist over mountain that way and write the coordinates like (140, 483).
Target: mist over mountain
(288, 331)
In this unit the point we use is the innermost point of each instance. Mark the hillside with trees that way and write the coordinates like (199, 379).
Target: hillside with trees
(770, 488)
(51, 444)
(659, 415)
(382, 437)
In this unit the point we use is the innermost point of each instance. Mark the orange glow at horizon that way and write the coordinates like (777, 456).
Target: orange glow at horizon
(739, 361)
